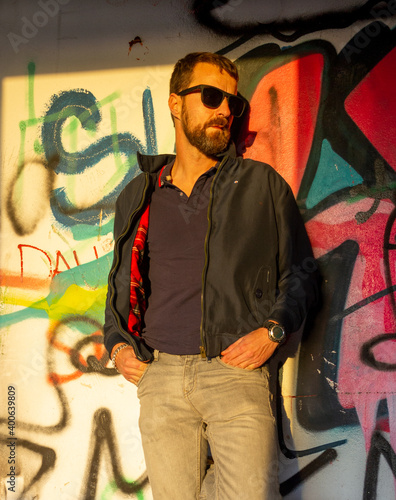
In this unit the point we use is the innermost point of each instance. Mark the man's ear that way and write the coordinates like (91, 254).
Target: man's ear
(174, 103)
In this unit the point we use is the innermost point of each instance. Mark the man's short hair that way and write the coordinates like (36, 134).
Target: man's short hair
(183, 70)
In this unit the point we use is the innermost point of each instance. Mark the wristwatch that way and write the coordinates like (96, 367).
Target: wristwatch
(276, 332)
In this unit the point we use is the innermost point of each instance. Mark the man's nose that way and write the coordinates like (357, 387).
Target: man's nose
(224, 108)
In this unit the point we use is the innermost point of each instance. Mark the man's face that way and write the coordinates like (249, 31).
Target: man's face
(208, 129)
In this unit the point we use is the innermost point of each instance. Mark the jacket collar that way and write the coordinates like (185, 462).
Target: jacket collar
(153, 163)
(230, 151)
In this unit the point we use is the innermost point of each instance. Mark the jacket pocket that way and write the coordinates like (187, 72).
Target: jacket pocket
(261, 295)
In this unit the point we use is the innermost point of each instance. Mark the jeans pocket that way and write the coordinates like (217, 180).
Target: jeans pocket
(144, 374)
(235, 368)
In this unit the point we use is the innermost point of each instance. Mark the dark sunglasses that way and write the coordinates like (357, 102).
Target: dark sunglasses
(212, 97)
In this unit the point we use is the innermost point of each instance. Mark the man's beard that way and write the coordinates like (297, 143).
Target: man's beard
(209, 144)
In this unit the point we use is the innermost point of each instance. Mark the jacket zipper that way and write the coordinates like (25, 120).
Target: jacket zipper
(203, 347)
(128, 337)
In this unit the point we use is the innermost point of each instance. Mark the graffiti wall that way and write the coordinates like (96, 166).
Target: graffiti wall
(86, 89)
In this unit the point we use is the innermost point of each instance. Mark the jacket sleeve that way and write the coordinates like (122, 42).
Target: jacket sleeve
(116, 327)
(297, 269)
(112, 335)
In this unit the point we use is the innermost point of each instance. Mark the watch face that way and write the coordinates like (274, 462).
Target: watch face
(277, 333)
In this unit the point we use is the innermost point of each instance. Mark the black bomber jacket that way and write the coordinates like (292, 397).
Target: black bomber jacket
(258, 258)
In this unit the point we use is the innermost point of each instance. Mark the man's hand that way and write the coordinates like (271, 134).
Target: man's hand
(128, 364)
(250, 351)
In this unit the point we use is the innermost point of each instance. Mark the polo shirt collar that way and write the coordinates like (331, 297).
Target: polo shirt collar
(165, 178)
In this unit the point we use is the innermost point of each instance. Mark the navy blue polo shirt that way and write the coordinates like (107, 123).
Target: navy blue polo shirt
(175, 239)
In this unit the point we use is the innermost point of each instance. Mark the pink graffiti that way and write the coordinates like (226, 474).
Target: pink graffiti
(361, 386)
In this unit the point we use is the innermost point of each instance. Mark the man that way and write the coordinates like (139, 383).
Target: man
(211, 271)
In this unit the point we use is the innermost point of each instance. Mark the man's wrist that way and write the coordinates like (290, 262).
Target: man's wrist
(276, 332)
(114, 353)
(114, 348)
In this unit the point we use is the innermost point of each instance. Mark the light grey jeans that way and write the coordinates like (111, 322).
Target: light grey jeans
(186, 402)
